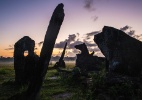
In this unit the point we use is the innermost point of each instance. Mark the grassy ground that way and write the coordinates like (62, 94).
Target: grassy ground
(54, 87)
(59, 86)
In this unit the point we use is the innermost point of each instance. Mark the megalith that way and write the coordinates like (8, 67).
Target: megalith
(46, 52)
(87, 62)
(83, 48)
(22, 45)
(123, 52)
(61, 62)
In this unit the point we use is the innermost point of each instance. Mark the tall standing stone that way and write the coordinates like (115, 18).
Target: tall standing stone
(87, 62)
(61, 62)
(46, 52)
(25, 43)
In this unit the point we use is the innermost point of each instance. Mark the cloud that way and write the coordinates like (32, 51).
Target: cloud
(11, 48)
(125, 28)
(88, 4)
(71, 38)
(71, 41)
(11, 45)
(36, 48)
(70, 54)
(71, 46)
(93, 33)
(60, 44)
(89, 35)
(131, 32)
(76, 51)
(95, 18)
(88, 43)
(128, 30)
(40, 43)
(138, 37)
(99, 53)
(77, 34)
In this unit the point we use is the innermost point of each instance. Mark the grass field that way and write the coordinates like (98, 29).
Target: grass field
(54, 87)
(58, 86)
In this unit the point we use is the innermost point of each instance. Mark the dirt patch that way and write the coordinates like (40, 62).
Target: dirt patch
(62, 96)
(53, 78)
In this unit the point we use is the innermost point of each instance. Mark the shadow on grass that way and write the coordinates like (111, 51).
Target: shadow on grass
(9, 89)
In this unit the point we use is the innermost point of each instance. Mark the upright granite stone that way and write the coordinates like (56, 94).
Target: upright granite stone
(87, 62)
(25, 43)
(61, 62)
(83, 48)
(123, 52)
(46, 52)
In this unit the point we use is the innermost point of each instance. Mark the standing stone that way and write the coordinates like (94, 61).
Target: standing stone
(83, 48)
(31, 63)
(122, 51)
(46, 52)
(25, 43)
(87, 62)
(61, 62)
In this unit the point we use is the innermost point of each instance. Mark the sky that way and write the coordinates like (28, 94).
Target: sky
(83, 19)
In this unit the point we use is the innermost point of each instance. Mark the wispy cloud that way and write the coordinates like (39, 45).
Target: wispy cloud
(95, 18)
(72, 38)
(89, 6)
(125, 28)
(40, 43)
(88, 36)
(11, 48)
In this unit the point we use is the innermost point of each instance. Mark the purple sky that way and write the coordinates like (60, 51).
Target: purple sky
(20, 18)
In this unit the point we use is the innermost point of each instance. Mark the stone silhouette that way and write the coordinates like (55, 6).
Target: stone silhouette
(83, 49)
(46, 52)
(92, 53)
(87, 62)
(25, 43)
(61, 62)
(122, 51)
(31, 63)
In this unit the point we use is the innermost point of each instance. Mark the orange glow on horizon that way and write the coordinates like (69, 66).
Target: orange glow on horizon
(10, 53)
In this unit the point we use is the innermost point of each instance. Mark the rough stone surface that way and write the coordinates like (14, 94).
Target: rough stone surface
(83, 49)
(46, 52)
(122, 51)
(88, 62)
(31, 63)
(25, 43)
(61, 62)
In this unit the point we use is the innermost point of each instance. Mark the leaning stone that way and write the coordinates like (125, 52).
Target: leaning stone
(123, 52)
(46, 52)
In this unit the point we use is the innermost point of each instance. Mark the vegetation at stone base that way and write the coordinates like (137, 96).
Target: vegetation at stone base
(51, 89)
(102, 90)
(59, 86)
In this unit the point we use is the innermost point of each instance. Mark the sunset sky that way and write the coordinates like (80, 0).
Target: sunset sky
(20, 18)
